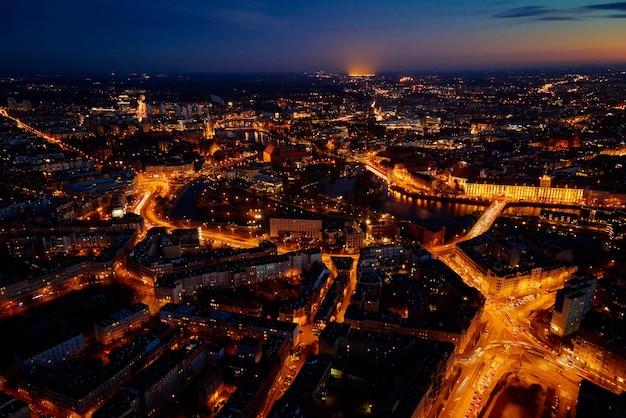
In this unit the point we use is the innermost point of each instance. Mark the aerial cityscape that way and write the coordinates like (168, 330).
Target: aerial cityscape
(198, 221)
(314, 245)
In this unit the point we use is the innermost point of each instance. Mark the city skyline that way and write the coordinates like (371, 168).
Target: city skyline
(273, 36)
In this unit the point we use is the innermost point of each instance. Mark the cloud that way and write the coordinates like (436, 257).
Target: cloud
(526, 11)
(619, 6)
(557, 18)
(542, 13)
(243, 18)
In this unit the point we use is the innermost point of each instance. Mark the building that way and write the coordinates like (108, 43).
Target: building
(210, 385)
(596, 353)
(427, 233)
(170, 170)
(126, 182)
(148, 257)
(595, 401)
(354, 237)
(390, 256)
(121, 323)
(572, 303)
(523, 192)
(81, 386)
(414, 364)
(382, 231)
(171, 287)
(13, 408)
(489, 260)
(417, 179)
(219, 323)
(122, 405)
(281, 155)
(306, 386)
(315, 282)
(267, 183)
(55, 353)
(296, 228)
(167, 376)
(394, 269)
(249, 349)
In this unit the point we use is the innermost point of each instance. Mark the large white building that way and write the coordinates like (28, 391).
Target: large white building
(299, 228)
(571, 305)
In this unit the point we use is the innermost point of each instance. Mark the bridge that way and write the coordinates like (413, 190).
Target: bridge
(481, 226)
(485, 221)
(378, 173)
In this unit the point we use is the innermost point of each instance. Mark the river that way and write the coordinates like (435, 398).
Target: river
(455, 215)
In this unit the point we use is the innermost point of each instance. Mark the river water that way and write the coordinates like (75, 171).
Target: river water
(455, 215)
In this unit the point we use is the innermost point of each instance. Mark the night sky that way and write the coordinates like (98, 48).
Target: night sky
(292, 35)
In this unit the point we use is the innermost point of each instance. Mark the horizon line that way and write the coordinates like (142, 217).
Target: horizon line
(520, 68)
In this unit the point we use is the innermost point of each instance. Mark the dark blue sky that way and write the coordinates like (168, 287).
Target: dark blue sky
(275, 35)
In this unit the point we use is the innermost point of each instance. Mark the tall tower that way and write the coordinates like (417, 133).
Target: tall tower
(209, 128)
(545, 181)
(141, 108)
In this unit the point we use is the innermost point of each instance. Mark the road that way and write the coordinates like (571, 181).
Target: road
(509, 342)
(506, 333)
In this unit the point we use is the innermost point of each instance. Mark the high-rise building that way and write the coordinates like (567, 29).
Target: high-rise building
(572, 303)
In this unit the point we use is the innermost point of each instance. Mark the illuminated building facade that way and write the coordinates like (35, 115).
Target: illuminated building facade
(521, 284)
(597, 354)
(391, 256)
(141, 108)
(354, 236)
(572, 303)
(308, 228)
(513, 281)
(427, 234)
(529, 193)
